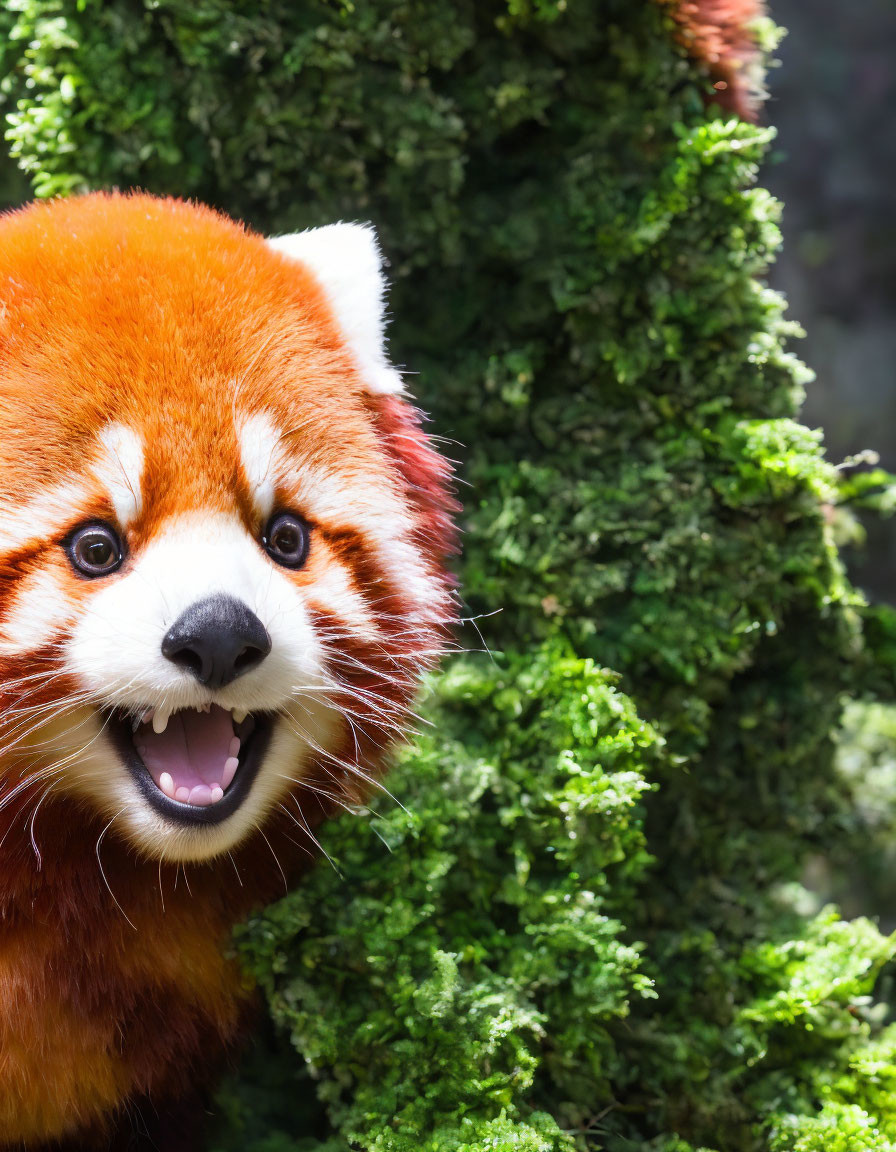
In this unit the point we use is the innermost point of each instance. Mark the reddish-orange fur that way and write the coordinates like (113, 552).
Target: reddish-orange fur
(718, 33)
(115, 981)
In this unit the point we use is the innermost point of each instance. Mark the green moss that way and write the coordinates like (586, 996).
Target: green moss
(582, 927)
(426, 1000)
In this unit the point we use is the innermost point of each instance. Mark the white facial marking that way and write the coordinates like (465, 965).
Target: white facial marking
(119, 469)
(375, 509)
(115, 647)
(347, 262)
(39, 610)
(40, 517)
(334, 589)
(115, 653)
(259, 437)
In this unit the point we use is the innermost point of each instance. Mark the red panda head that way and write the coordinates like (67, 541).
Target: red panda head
(222, 532)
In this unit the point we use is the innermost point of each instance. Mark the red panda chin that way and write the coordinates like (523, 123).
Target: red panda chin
(200, 768)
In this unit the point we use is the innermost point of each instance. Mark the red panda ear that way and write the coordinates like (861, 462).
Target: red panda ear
(347, 263)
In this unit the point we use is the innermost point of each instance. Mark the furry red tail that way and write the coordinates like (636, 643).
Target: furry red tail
(720, 34)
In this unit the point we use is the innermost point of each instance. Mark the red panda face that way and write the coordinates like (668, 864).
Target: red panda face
(221, 529)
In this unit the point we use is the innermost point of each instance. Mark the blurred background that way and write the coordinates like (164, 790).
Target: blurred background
(833, 100)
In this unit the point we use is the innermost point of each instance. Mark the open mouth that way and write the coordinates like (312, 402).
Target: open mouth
(196, 765)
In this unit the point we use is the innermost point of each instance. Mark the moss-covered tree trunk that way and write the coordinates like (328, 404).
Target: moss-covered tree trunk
(582, 927)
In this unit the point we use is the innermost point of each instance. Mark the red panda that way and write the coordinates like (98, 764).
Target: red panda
(223, 538)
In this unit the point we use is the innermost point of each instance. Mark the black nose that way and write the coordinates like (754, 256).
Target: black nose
(217, 640)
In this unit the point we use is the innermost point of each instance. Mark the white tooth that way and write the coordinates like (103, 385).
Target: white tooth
(239, 715)
(200, 795)
(166, 783)
(230, 766)
(205, 708)
(148, 715)
(217, 793)
(160, 720)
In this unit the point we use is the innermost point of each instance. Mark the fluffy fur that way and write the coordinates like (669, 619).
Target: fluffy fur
(167, 372)
(720, 34)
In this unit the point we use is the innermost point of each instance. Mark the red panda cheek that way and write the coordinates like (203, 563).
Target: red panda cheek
(331, 588)
(38, 601)
(426, 475)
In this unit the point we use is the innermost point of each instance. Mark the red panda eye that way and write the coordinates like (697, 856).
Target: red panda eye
(286, 539)
(95, 550)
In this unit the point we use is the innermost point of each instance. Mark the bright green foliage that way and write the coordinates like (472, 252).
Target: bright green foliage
(584, 928)
(518, 840)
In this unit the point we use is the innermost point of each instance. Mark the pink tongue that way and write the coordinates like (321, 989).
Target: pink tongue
(194, 759)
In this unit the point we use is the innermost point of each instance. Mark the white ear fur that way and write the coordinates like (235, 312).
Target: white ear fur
(347, 262)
